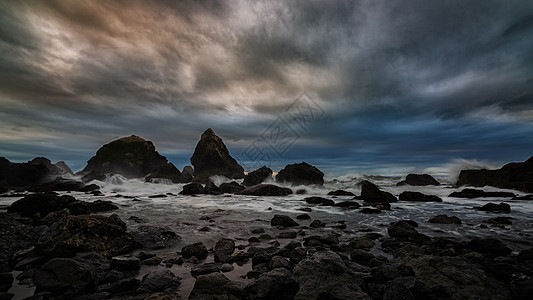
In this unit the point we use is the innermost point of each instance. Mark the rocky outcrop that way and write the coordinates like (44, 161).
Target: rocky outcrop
(154, 237)
(300, 174)
(169, 172)
(276, 284)
(516, 176)
(496, 208)
(23, 175)
(418, 180)
(418, 197)
(211, 157)
(257, 176)
(131, 157)
(216, 286)
(473, 193)
(65, 277)
(371, 193)
(405, 231)
(266, 190)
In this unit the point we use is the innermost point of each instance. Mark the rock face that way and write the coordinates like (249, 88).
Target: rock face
(301, 174)
(66, 277)
(418, 180)
(170, 172)
(371, 193)
(516, 176)
(211, 157)
(37, 171)
(266, 190)
(132, 157)
(418, 197)
(257, 176)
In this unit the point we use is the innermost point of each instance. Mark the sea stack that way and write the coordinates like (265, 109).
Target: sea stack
(132, 157)
(211, 157)
(301, 174)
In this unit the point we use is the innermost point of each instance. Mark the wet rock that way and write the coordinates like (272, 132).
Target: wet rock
(198, 250)
(418, 180)
(279, 262)
(6, 296)
(211, 157)
(65, 277)
(495, 208)
(500, 221)
(303, 217)
(257, 176)
(22, 175)
(404, 231)
(348, 204)
(371, 193)
(125, 263)
(301, 191)
(361, 257)
(204, 269)
(317, 224)
(368, 210)
(283, 220)
(276, 284)
(216, 286)
(96, 261)
(224, 248)
(15, 236)
(82, 207)
(473, 193)
(193, 189)
(340, 193)
(361, 243)
(231, 188)
(167, 172)
(489, 246)
(132, 157)
(6, 280)
(187, 174)
(159, 281)
(153, 261)
(444, 219)
(515, 176)
(326, 239)
(211, 189)
(40, 203)
(287, 235)
(266, 190)
(418, 197)
(325, 272)
(58, 184)
(320, 201)
(300, 174)
(224, 268)
(254, 239)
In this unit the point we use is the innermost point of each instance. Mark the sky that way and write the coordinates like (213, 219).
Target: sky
(375, 87)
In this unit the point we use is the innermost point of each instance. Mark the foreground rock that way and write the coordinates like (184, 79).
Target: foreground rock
(44, 204)
(371, 193)
(257, 176)
(15, 235)
(211, 157)
(23, 175)
(153, 237)
(282, 220)
(496, 208)
(405, 231)
(266, 190)
(132, 157)
(515, 176)
(418, 197)
(65, 277)
(418, 180)
(474, 193)
(325, 276)
(197, 250)
(216, 286)
(276, 284)
(168, 172)
(300, 174)
(162, 281)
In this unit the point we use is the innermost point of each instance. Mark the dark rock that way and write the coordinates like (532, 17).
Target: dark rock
(418, 180)
(282, 220)
(126, 285)
(40, 203)
(6, 296)
(276, 284)
(320, 201)
(489, 246)
(193, 189)
(168, 172)
(254, 239)
(303, 217)
(525, 197)
(368, 210)
(215, 286)
(204, 269)
(348, 204)
(301, 192)
(257, 176)
(226, 246)
(82, 207)
(444, 219)
(197, 250)
(132, 157)
(144, 255)
(125, 263)
(361, 257)
(387, 272)
(22, 175)
(211, 189)
(153, 261)
(496, 208)
(406, 232)
(515, 176)
(211, 157)
(96, 261)
(473, 193)
(6, 280)
(361, 243)
(159, 281)
(371, 193)
(58, 184)
(327, 239)
(153, 237)
(340, 193)
(317, 224)
(15, 235)
(231, 188)
(300, 174)
(500, 221)
(418, 197)
(65, 277)
(326, 272)
(88, 233)
(525, 255)
(287, 235)
(266, 190)
(90, 188)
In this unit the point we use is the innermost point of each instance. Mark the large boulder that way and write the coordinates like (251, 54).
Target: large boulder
(418, 180)
(277, 284)
(418, 197)
(154, 237)
(325, 276)
(371, 193)
(474, 193)
(65, 277)
(23, 175)
(301, 174)
(257, 176)
(15, 235)
(404, 231)
(197, 250)
(167, 172)
(516, 176)
(216, 286)
(211, 157)
(266, 190)
(160, 281)
(131, 157)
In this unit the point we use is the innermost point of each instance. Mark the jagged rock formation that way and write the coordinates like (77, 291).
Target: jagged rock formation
(211, 157)
(37, 171)
(257, 176)
(301, 174)
(132, 157)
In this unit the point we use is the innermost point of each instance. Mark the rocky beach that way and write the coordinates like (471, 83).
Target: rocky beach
(131, 225)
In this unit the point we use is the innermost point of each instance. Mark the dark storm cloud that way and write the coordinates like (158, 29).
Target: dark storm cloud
(433, 80)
